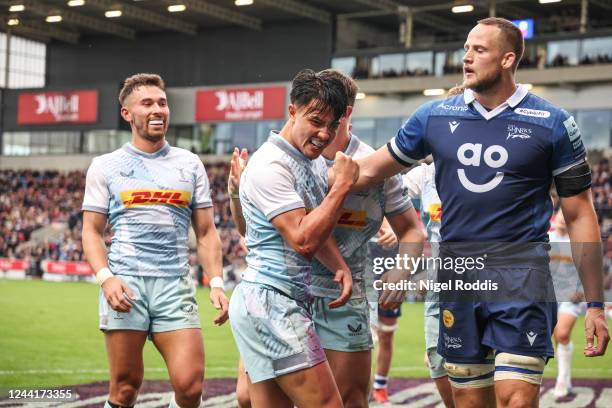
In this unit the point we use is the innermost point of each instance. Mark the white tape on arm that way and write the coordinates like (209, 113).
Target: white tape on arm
(103, 275)
(217, 282)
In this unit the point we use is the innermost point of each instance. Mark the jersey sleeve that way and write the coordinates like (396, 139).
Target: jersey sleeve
(396, 196)
(97, 195)
(272, 191)
(201, 192)
(414, 181)
(568, 149)
(409, 146)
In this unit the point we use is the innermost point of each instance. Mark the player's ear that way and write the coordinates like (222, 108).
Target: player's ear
(348, 111)
(508, 60)
(126, 115)
(292, 110)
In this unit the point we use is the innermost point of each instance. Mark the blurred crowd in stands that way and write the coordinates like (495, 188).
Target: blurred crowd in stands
(538, 61)
(33, 202)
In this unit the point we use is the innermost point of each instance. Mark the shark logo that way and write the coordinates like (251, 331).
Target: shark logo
(531, 336)
(453, 125)
(515, 132)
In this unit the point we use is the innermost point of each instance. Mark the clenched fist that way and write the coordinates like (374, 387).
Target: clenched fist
(346, 170)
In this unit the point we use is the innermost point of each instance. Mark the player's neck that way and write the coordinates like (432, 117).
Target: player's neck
(148, 146)
(497, 94)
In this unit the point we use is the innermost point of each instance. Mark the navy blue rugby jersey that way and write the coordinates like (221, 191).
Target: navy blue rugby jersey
(494, 168)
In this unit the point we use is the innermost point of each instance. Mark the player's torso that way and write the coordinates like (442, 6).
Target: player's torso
(362, 216)
(271, 259)
(150, 210)
(493, 175)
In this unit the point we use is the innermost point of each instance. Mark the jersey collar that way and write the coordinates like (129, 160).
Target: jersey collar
(129, 147)
(470, 98)
(277, 140)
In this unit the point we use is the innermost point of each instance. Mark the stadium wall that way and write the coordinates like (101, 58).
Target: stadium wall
(214, 56)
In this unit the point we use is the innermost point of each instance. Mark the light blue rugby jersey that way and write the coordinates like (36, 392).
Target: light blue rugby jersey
(421, 184)
(278, 178)
(362, 216)
(149, 199)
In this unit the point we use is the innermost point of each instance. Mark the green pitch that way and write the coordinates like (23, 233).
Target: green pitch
(49, 337)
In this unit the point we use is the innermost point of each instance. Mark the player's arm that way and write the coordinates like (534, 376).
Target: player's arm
(306, 232)
(237, 164)
(408, 230)
(330, 256)
(210, 257)
(376, 168)
(585, 238)
(94, 248)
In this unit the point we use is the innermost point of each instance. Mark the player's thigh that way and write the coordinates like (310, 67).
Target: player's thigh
(124, 350)
(565, 324)
(351, 370)
(346, 328)
(312, 387)
(183, 352)
(516, 393)
(267, 393)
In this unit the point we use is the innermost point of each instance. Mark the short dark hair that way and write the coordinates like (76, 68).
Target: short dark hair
(511, 34)
(349, 83)
(136, 81)
(321, 93)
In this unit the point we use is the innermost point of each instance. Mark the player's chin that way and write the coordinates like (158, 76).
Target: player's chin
(312, 153)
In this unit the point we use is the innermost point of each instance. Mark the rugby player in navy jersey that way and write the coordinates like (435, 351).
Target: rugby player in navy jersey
(497, 149)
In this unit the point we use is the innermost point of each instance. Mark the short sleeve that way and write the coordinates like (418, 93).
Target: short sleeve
(568, 149)
(271, 190)
(414, 181)
(396, 196)
(201, 192)
(97, 196)
(409, 146)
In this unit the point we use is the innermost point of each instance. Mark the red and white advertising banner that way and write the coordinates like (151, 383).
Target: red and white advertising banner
(241, 104)
(68, 268)
(47, 108)
(7, 264)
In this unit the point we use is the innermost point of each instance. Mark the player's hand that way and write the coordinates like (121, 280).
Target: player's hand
(595, 326)
(220, 302)
(237, 165)
(577, 297)
(118, 294)
(393, 298)
(386, 237)
(345, 279)
(346, 170)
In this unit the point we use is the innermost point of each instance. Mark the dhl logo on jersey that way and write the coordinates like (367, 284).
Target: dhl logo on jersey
(562, 258)
(435, 212)
(352, 219)
(133, 198)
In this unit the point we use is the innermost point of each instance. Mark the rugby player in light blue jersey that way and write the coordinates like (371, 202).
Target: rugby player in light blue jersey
(149, 192)
(289, 215)
(497, 149)
(345, 331)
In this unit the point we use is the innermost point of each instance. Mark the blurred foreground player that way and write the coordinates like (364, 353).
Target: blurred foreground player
(289, 219)
(149, 192)
(496, 149)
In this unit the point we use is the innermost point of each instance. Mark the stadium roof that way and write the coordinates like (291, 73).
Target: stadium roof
(135, 17)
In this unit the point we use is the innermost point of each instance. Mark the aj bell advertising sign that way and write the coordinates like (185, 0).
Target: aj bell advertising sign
(44, 108)
(241, 104)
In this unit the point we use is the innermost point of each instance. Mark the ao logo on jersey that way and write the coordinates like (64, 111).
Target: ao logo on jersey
(470, 154)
